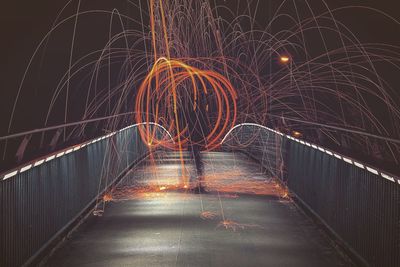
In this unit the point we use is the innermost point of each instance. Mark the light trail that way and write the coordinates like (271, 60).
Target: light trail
(197, 60)
(173, 79)
(334, 84)
(225, 96)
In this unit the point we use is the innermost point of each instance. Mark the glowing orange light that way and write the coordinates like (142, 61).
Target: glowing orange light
(162, 102)
(296, 134)
(107, 197)
(285, 59)
(168, 83)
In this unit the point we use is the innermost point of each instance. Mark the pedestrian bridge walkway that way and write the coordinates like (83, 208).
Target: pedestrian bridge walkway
(243, 219)
(269, 200)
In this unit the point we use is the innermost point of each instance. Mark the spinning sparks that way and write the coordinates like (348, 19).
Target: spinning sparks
(165, 96)
(197, 76)
(171, 83)
(198, 67)
(161, 103)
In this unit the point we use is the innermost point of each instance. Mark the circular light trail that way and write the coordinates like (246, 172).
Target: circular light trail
(171, 82)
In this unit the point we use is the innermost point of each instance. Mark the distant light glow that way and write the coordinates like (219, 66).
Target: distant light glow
(297, 134)
(285, 59)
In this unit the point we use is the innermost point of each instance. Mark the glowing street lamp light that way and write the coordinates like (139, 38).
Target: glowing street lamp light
(285, 59)
(296, 134)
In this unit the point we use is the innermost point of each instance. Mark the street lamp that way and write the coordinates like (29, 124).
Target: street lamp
(287, 60)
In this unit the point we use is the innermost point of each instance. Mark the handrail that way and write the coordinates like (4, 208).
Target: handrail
(383, 174)
(10, 173)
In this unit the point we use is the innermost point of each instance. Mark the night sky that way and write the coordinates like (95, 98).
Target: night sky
(24, 23)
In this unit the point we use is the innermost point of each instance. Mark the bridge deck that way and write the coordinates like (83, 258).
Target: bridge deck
(241, 221)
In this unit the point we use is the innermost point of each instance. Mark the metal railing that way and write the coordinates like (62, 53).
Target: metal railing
(358, 204)
(40, 200)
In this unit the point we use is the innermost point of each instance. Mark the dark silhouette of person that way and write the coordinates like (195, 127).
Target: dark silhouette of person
(197, 131)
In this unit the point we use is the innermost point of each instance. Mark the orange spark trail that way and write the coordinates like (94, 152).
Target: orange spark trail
(174, 79)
